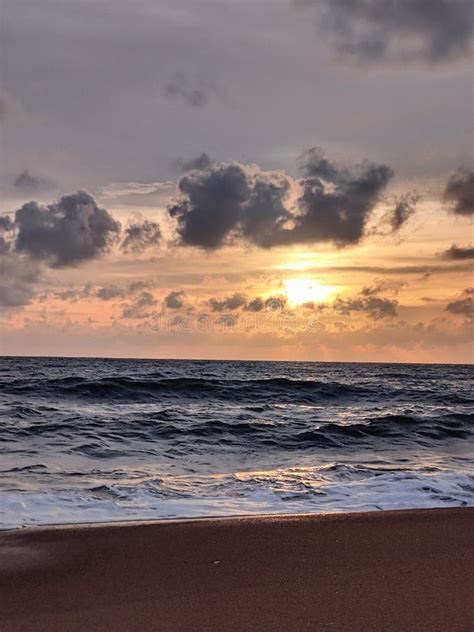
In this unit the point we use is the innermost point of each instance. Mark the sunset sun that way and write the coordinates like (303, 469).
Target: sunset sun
(301, 291)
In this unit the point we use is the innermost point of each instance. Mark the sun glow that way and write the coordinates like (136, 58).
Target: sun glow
(301, 291)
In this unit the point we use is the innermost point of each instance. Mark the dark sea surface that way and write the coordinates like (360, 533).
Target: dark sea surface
(94, 439)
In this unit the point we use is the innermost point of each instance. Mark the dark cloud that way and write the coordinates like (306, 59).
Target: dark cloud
(140, 307)
(211, 205)
(72, 295)
(140, 235)
(380, 287)
(255, 305)
(459, 192)
(18, 277)
(229, 303)
(368, 301)
(239, 300)
(113, 291)
(265, 215)
(404, 208)
(191, 93)
(458, 252)
(200, 163)
(6, 223)
(65, 233)
(430, 31)
(464, 305)
(233, 200)
(103, 293)
(26, 182)
(174, 300)
(109, 292)
(336, 203)
(375, 306)
(271, 304)
(230, 199)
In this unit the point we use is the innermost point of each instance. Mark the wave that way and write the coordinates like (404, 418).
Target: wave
(281, 491)
(93, 439)
(132, 389)
(257, 391)
(146, 432)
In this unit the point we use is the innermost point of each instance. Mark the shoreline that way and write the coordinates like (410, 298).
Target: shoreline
(386, 570)
(314, 515)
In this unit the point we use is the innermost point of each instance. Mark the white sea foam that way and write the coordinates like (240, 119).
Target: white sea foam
(295, 490)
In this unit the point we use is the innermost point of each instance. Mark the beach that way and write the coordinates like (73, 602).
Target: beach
(393, 570)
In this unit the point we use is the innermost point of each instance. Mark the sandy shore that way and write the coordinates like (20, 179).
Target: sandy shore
(409, 570)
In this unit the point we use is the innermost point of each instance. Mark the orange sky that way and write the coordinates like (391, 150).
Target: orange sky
(307, 319)
(258, 190)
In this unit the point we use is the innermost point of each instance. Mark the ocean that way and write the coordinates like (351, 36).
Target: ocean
(107, 439)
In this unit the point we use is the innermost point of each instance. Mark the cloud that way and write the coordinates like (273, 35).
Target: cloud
(113, 291)
(392, 287)
(141, 234)
(191, 93)
(26, 182)
(376, 307)
(459, 192)
(72, 295)
(265, 214)
(232, 200)
(174, 300)
(109, 292)
(200, 163)
(240, 300)
(458, 252)
(404, 208)
(336, 202)
(18, 277)
(368, 31)
(255, 305)
(151, 194)
(139, 308)
(229, 303)
(6, 223)
(122, 189)
(396, 269)
(271, 304)
(211, 204)
(65, 233)
(368, 301)
(463, 306)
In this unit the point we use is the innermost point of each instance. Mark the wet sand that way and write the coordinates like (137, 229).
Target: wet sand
(404, 571)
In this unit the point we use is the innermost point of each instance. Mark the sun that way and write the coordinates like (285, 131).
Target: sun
(301, 291)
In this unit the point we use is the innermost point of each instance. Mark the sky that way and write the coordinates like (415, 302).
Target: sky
(265, 179)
